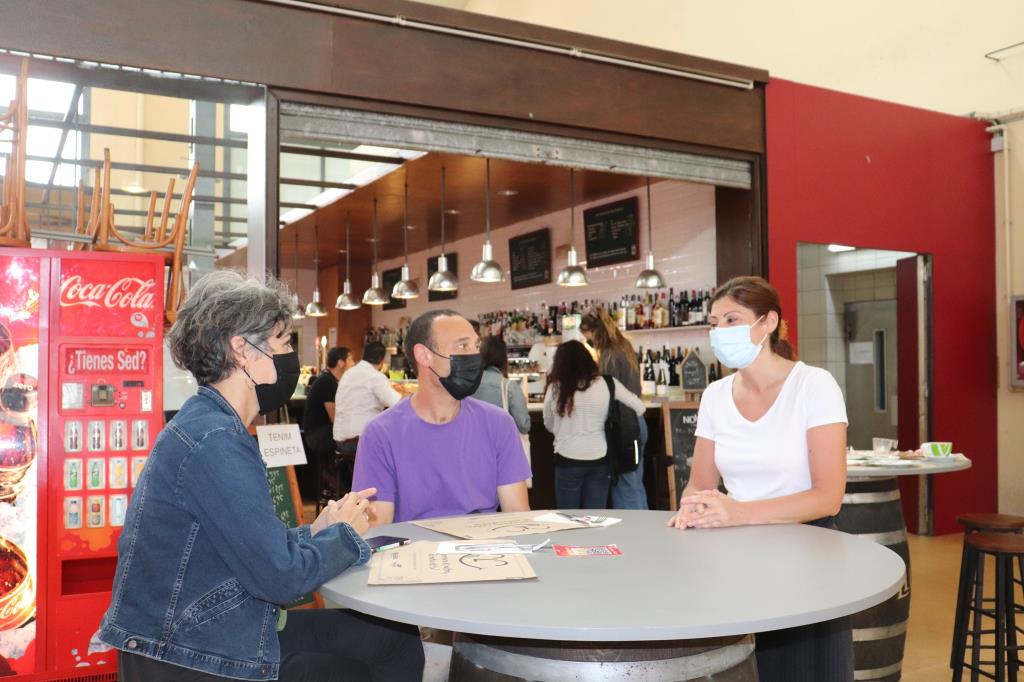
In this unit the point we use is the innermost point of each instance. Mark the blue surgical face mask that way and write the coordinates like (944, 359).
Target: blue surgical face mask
(733, 347)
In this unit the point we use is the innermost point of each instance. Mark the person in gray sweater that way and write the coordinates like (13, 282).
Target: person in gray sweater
(617, 359)
(494, 357)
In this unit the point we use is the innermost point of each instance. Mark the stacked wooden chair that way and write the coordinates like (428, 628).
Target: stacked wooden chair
(164, 236)
(13, 221)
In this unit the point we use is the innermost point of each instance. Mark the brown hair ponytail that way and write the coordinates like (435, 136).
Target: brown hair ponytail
(756, 294)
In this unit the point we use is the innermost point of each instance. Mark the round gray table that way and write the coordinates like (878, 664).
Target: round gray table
(872, 509)
(667, 585)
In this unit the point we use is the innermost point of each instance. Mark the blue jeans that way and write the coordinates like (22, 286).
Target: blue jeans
(582, 487)
(629, 492)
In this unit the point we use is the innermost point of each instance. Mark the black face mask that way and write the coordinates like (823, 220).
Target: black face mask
(464, 377)
(274, 396)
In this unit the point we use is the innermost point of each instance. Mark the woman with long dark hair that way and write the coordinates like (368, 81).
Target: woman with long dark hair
(775, 433)
(617, 358)
(495, 386)
(575, 409)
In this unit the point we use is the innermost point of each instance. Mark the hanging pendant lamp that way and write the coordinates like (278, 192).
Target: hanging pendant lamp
(443, 279)
(375, 294)
(314, 308)
(346, 301)
(649, 278)
(405, 288)
(572, 275)
(297, 314)
(487, 270)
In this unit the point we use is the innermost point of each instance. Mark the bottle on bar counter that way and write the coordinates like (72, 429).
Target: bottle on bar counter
(648, 385)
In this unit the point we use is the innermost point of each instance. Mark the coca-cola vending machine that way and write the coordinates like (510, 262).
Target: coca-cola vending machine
(80, 374)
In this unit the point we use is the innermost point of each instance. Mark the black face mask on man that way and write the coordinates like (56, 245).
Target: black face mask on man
(276, 395)
(464, 377)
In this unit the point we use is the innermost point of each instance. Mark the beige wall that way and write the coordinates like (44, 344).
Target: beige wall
(919, 52)
(1011, 403)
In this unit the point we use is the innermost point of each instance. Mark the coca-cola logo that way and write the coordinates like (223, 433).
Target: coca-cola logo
(134, 293)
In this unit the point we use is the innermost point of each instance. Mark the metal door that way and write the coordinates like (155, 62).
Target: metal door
(871, 403)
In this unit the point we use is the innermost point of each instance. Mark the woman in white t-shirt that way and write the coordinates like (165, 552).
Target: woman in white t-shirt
(774, 433)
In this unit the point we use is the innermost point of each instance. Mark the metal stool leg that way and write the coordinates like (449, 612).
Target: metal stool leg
(1010, 617)
(1000, 614)
(979, 587)
(956, 652)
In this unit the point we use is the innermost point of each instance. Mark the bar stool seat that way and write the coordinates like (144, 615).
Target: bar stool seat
(973, 524)
(991, 522)
(1008, 551)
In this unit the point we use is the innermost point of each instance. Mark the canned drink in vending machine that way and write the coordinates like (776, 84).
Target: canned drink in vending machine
(72, 474)
(140, 434)
(118, 509)
(118, 435)
(73, 436)
(72, 512)
(137, 464)
(95, 475)
(96, 438)
(96, 511)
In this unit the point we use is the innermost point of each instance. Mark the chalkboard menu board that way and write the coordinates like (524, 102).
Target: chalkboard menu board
(611, 233)
(680, 422)
(695, 374)
(388, 280)
(453, 267)
(283, 492)
(530, 256)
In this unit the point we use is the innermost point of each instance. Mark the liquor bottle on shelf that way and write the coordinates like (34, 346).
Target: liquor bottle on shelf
(648, 385)
(656, 314)
(661, 384)
(712, 372)
(706, 306)
(620, 315)
(641, 317)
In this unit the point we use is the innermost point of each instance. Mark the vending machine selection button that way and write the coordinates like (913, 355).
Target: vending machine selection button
(96, 511)
(72, 474)
(118, 473)
(72, 512)
(146, 397)
(118, 509)
(137, 464)
(95, 474)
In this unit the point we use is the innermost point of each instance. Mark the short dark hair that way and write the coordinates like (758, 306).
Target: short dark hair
(476, 326)
(422, 331)
(494, 353)
(374, 352)
(336, 355)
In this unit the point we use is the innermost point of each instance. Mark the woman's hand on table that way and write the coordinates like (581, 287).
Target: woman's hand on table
(352, 509)
(707, 509)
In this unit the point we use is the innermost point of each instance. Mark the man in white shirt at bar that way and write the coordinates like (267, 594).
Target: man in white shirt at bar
(363, 392)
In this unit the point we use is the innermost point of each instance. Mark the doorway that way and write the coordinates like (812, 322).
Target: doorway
(864, 315)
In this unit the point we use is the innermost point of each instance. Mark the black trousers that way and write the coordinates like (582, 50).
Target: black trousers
(818, 652)
(316, 645)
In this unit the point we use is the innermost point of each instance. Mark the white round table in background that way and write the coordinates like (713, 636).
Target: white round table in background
(710, 588)
(872, 509)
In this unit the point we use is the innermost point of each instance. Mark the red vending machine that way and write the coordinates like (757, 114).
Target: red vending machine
(96, 397)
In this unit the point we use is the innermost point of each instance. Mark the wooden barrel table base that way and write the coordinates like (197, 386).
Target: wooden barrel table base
(872, 509)
(477, 658)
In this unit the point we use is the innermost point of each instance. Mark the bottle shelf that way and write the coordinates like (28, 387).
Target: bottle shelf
(662, 330)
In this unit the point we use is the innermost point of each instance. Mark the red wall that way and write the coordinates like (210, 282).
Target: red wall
(873, 174)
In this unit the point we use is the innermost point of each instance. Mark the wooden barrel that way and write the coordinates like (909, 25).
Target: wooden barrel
(499, 659)
(872, 509)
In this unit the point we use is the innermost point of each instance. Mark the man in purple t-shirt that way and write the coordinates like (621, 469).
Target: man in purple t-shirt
(440, 452)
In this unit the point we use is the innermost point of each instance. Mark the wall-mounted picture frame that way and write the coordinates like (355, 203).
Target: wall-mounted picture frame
(1017, 343)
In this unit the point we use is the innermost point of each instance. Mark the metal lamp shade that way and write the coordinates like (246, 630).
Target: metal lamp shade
(298, 314)
(375, 294)
(487, 270)
(650, 278)
(406, 288)
(443, 279)
(572, 275)
(346, 301)
(314, 308)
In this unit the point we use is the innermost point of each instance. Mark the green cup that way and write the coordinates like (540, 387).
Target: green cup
(936, 449)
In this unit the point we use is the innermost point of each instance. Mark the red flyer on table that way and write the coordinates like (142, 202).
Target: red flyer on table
(599, 550)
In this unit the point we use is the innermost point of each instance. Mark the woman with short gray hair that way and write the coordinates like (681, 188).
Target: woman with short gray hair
(204, 566)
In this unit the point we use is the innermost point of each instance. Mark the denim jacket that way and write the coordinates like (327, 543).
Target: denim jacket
(203, 560)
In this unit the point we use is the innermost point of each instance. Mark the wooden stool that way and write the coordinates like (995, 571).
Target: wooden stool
(1008, 551)
(975, 523)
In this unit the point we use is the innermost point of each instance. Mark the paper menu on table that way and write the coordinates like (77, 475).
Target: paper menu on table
(418, 563)
(497, 526)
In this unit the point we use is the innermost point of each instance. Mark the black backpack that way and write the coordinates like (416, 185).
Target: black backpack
(622, 432)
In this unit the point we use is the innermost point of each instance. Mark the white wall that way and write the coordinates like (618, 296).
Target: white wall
(684, 243)
(918, 52)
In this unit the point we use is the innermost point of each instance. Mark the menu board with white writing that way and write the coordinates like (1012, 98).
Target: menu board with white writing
(611, 233)
(530, 256)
